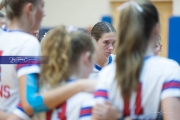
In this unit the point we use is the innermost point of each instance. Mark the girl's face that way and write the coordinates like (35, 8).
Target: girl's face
(106, 44)
(158, 47)
(39, 14)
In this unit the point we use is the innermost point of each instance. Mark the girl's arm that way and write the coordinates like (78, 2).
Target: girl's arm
(171, 108)
(3, 115)
(33, 102)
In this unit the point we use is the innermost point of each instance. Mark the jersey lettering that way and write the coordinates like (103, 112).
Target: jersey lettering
(4, 91)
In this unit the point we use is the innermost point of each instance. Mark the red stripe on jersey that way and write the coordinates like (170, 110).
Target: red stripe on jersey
(85, 111)
(171, 84)
(1, 52)
(126, 107)
(48, 115)
(20, 105)
(62, 113)
(139, 109)
(0, 64)
(101, 93)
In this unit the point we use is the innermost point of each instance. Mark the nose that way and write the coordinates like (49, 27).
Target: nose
(111, 46)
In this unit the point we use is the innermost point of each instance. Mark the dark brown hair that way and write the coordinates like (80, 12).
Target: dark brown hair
(135, 29)
(100, 28)
(80, 42)
(14, 7)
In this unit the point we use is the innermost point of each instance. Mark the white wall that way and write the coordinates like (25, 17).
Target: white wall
(176, 7)
(80, 13)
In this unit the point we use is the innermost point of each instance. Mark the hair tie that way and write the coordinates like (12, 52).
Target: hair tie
(131, 2)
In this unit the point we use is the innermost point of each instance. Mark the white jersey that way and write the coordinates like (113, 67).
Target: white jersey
(15, 43)
(159, 79)
(97, 68)
(69, 110)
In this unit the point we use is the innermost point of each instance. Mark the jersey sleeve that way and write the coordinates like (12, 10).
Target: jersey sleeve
(31, 51)
(86, 107)
(171, 87)
(21, 113)
(105, 79)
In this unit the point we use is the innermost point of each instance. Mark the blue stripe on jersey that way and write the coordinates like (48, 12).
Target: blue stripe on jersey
(71, 80)
(21, 109)
(99, 68)
(85, 111)
(4, 29)
(14, 30)
(110, 60)
(174, 84)
(147, 57)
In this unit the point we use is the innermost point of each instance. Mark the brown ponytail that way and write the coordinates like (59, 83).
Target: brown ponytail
(2, 4)
(14, 7)
(134, 31)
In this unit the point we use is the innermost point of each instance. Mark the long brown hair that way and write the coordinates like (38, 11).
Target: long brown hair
(134, 32)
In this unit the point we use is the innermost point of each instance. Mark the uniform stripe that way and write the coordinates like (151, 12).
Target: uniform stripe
(0, 63)
(139, 109)
(48, 115)
(62, 113)
(171, 85)
(85, 111)
(20, 107)
(109, 62)
(101, 93)
(126, 107)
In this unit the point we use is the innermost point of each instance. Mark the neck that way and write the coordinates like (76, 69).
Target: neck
(150, 49)
(76, 73)
(18, 24)
(101, 60)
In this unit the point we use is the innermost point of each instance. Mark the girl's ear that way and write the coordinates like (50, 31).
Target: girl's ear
(29, 8)
(86, 58)
(157, 29)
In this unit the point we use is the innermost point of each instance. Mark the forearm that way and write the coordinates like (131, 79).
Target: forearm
(50, 99)
(171, 108)
(3, 115)
(57, 96)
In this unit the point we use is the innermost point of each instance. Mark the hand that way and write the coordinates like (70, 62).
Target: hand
(105, 111)
(87, 85)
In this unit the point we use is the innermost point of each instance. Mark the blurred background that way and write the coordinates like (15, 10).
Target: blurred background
(85, 13)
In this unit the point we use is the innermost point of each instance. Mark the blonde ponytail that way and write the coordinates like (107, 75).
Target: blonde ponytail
(56, 46)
